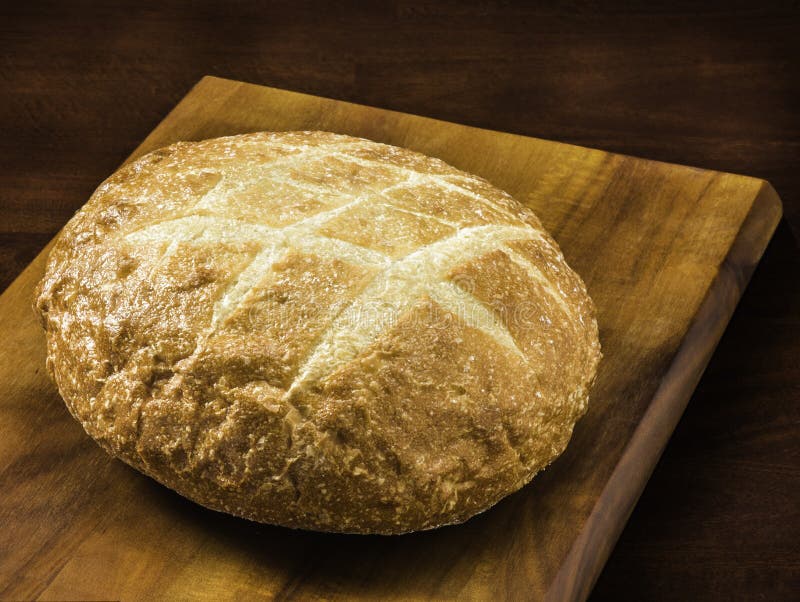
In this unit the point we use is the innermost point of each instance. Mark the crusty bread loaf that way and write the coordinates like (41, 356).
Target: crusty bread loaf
(318, 331)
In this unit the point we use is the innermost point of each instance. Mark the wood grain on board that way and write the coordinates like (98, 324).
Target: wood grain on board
(665, 251)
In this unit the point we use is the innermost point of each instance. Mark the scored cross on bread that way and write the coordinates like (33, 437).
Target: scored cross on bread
(265, 267)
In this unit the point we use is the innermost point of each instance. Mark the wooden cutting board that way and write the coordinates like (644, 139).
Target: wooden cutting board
(665, 251)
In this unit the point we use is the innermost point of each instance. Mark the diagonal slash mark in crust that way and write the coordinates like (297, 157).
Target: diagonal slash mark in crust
(399, 283)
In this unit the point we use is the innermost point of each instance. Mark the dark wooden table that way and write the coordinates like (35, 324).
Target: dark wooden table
(713, 87)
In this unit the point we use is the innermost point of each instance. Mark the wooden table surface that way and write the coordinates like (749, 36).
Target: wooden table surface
(716, 88)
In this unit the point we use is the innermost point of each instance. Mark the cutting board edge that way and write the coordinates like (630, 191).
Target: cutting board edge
(590, 551)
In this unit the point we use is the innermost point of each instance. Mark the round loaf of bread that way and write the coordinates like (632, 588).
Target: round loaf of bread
(318, 331)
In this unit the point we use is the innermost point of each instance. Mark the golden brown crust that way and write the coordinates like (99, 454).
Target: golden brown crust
(318, 331)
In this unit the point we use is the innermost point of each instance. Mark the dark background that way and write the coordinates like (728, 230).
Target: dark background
(715, 87)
